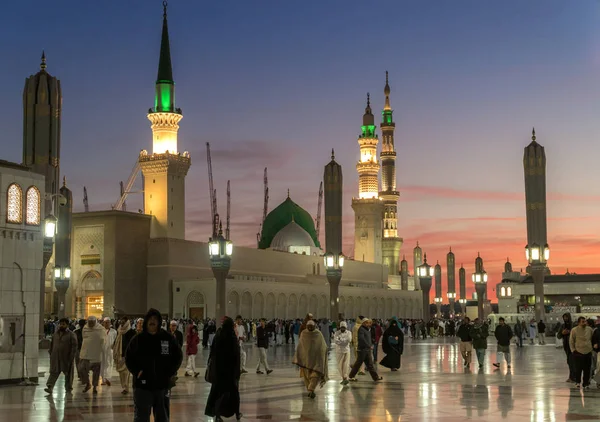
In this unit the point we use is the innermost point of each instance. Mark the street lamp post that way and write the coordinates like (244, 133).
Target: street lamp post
(220, 250)
(451, 299)
(480, 279)
(49, 233)
(62, 277)
(538, 257)
(463, 306)
(333, 268)
(425, 272)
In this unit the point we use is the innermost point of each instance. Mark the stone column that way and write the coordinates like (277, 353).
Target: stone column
(480, 288)
(425, 282)
(221, 307)
(538, 272)
(334, 277)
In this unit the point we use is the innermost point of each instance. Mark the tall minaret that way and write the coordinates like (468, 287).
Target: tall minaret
(368, 208)
(437, 273)
(534, 164)
(391, 242)
(417, 260)
(462, 285)
(165, 169)
(42, 103)
(451, 274)
(333, 190)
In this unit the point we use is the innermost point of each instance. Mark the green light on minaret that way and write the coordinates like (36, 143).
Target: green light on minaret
(164, 98)
(368, 131)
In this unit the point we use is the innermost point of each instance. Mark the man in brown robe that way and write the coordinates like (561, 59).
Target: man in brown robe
(311, 358)
(63, 349)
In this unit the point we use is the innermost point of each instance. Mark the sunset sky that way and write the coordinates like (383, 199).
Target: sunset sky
(277, 84)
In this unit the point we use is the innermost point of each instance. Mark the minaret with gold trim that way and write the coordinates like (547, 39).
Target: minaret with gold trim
(165, 169)
(368, 207)
(391, 243)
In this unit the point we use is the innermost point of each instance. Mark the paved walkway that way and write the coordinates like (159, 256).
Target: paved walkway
(431, 386)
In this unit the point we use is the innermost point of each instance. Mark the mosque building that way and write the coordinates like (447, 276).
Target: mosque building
(125, 262)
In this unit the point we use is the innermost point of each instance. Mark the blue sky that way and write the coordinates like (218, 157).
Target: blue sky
(278, 84)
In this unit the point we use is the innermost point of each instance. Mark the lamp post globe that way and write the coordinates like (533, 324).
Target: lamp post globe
(220, 251)
(334, 263)
(538, 256)
(425, 273)
(463, 304)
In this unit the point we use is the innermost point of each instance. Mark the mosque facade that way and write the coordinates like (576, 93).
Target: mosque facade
(124, 262)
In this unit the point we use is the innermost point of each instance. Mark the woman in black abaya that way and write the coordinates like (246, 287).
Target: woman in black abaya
(224, 374)
(392, 342)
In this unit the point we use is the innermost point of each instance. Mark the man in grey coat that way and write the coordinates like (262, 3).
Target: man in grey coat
(63, 349)
(364, 352)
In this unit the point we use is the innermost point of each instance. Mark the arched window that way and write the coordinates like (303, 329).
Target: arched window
(509, 291)
(14, 204)
(33, 201)
(502, 291)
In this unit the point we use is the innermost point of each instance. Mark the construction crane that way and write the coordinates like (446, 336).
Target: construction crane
(266, 200)
(124, 192)
(319, 206)
(211, 189)
(124, 206)
(85, 200)
(228, 210)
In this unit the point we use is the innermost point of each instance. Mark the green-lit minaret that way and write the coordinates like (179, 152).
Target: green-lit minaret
(391, 243)
(165, 169)
(165, 85)
(165, 117)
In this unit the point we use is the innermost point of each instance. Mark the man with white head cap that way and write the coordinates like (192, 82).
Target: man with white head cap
(90, 356)
(342, 339)
(365, 352)
(107, 355)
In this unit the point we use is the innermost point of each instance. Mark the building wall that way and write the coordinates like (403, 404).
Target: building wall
(256, 299)
(21, 248)
(263, 274)
(110, 250)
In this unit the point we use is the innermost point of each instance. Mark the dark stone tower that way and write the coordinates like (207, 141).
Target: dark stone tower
(333, 181)
(404, 274)
(42, 103)
(451, 274)
(534, 165)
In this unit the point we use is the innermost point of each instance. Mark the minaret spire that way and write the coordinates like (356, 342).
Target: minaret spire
(165, 69)
(43, 63)
(164, 115)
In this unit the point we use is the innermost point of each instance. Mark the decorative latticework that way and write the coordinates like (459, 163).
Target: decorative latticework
(33, 201)
(14, 207)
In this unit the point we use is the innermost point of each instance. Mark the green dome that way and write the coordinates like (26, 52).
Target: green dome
(283, 215)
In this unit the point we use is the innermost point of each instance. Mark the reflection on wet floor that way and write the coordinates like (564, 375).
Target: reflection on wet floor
(432, 385)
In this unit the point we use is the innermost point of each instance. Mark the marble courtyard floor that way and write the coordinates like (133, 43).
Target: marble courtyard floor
(431, 386)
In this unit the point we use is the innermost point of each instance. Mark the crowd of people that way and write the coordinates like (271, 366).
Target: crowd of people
(148, 352)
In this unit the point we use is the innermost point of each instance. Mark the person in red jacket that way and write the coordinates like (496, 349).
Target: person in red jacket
(376, 333)
(191, 349)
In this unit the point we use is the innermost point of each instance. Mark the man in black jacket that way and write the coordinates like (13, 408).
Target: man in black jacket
(466, 342)
(503, 334)
(564, 333)
(79, 334)
(262, 341)
(364, 350)
(153, 357)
